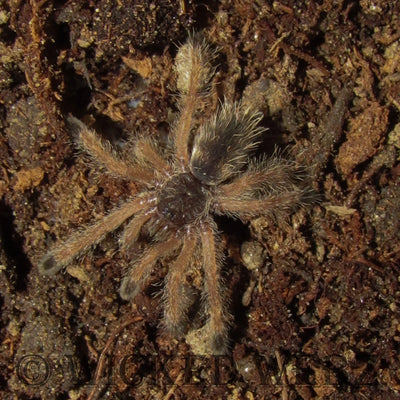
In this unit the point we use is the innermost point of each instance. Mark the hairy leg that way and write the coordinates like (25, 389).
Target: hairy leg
(194, 69)
(103, 153)
(267, 174)
(145, 151)
(219, 317)
(132, 231)
(284, 201)
(176, 301)
(139, 272)
(80, 242)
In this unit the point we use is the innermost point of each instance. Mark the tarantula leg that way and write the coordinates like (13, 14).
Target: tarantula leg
(219, 317)
(245, 208)
(144, 150)
(176, 301)
(194, 68)
(103, 153)
(265, 174)
(133, 282)
(80, 242)
(132, 231)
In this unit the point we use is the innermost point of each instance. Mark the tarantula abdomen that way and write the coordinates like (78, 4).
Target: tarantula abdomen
(183, 200)
(224, 143)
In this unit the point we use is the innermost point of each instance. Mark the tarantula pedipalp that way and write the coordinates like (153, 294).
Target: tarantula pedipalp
(203, 175)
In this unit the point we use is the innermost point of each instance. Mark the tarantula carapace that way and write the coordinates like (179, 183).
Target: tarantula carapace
(204, 174)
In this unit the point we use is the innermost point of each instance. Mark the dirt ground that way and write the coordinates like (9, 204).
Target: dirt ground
(315, 300)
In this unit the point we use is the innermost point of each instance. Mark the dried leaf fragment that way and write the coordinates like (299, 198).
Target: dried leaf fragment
(363, 140)
(143, 67)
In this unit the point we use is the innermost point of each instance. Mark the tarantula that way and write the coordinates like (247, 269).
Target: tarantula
(203, 174)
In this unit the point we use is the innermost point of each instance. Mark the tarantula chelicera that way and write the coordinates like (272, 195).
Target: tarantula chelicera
(204, 174)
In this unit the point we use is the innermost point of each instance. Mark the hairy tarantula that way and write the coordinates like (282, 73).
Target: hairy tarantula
(203, 174)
